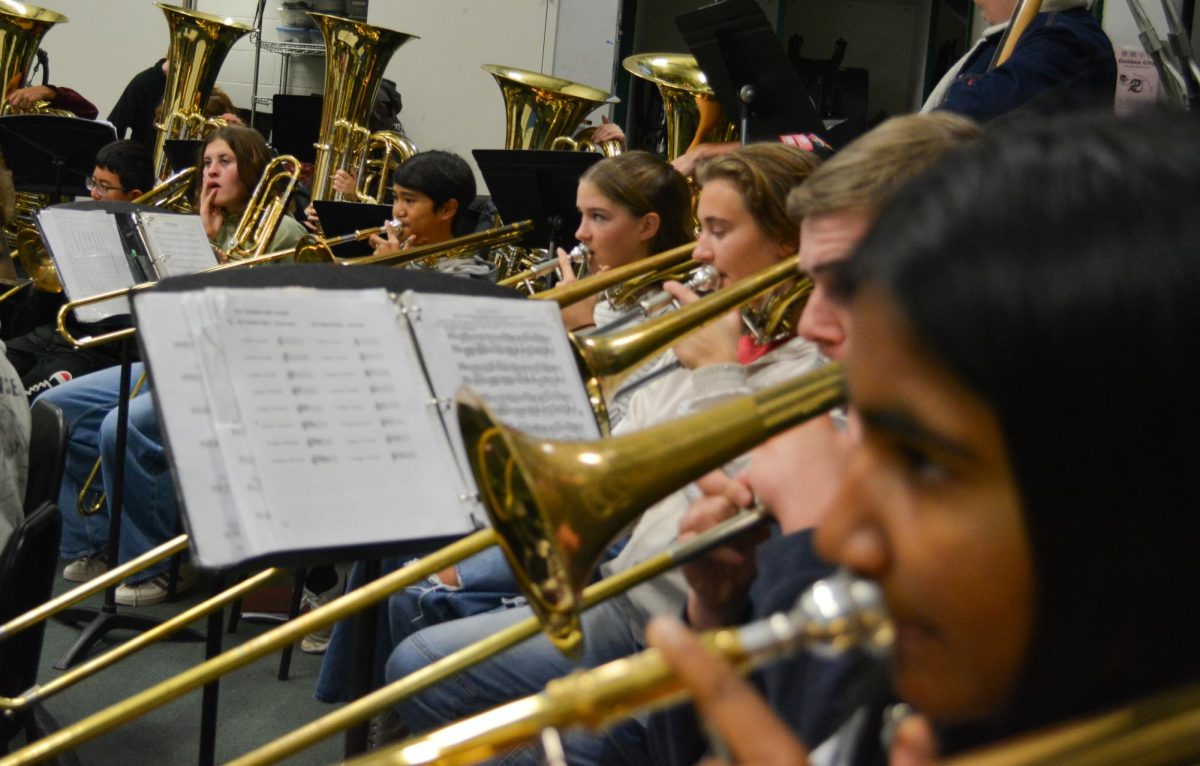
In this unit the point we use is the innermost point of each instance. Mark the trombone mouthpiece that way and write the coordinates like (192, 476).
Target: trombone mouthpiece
(834, 615)
(579, 253)
(705, 280)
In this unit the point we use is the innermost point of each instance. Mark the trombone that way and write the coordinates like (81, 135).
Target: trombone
(565, 295)
(836, 614)
(539, 494)
(611, 358)
(308, 250)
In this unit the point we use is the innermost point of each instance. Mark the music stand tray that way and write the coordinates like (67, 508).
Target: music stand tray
(339, 218)
(736, 47)
(49, 154)
(538, 186)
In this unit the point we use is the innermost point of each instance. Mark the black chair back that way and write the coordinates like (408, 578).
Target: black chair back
(27, 567)
(47, 455)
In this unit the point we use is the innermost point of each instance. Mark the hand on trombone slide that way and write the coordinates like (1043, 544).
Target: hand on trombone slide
(749, 732)
(713, 344)
(394, 240)
(581, 314)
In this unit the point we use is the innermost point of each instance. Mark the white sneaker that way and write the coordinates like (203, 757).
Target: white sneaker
(317, 641)
(154, 590)
(84, 569)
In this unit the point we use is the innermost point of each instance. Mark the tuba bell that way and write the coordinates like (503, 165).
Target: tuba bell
(199, 44)
(539, 108)
(694, 116)
(22, 27)
(356, 54)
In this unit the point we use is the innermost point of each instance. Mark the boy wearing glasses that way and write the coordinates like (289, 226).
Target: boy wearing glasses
(122, 172)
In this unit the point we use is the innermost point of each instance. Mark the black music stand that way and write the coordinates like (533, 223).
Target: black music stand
(49, 154)
(748, 70)
(182, 153)
(339, 218)
(96, 624)
(320, 277)
(538, 186)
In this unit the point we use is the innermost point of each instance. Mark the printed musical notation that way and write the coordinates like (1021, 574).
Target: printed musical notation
(512, 353)
(319, 418)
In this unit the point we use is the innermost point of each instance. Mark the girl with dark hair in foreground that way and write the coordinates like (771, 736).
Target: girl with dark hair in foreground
(1024, 488)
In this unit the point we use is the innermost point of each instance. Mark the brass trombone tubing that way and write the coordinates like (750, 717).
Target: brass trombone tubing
(490, 237)
(137, 643)
(402, 258)
(172, 688)
(113, 576)
(565, 295)
(610, 359)
(837, 612)
(364, 707)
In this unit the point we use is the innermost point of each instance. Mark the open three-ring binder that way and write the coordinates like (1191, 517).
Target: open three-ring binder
(100, 247)
(302, 420)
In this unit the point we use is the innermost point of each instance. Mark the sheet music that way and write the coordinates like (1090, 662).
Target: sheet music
(298, 419)
(336, 415)
(217, 537)
(512, 353)
(90, 257)
(177, 243)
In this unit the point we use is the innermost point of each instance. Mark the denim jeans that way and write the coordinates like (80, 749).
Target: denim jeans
(609, 632)
(149, 514)
(485, 583)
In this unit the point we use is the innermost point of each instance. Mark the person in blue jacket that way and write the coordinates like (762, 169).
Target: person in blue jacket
(1063, 61)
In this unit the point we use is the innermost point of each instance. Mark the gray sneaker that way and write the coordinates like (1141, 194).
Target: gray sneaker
(154, 590)
(84, 569)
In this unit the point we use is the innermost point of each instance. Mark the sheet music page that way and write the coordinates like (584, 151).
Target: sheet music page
(337, 417)
(513, 353)
(187, 423)
(90, 257)
(177, 243)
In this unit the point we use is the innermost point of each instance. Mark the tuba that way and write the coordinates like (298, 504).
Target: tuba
(356, 54)
(199, 43)
(539, 108)
(694, 116)
(22, 27)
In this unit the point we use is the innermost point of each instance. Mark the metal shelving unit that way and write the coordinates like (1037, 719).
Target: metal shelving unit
(287, 51)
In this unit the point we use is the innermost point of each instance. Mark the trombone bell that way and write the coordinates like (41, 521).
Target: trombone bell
(555, 506)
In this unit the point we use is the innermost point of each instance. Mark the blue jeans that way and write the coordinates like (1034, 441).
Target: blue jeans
(609, 633)
(149, 514)
(485, 583)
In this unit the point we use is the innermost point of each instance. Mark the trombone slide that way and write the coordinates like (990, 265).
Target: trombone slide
(363, 708)
(833, 615)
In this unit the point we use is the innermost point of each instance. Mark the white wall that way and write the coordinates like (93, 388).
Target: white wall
(449, 103)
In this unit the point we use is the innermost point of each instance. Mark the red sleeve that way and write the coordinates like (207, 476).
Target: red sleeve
(68, 99)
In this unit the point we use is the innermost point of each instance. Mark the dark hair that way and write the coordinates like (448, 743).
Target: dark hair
(441, 176)
(130, 161)
(642, 183)
(1054, 268)
(250, 148)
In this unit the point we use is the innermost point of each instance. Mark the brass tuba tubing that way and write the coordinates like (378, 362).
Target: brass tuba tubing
(137, 643)
(199, 44)
(172, 688)
(356, 54)
(361, 709)
(839, 613)
(565, 295)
